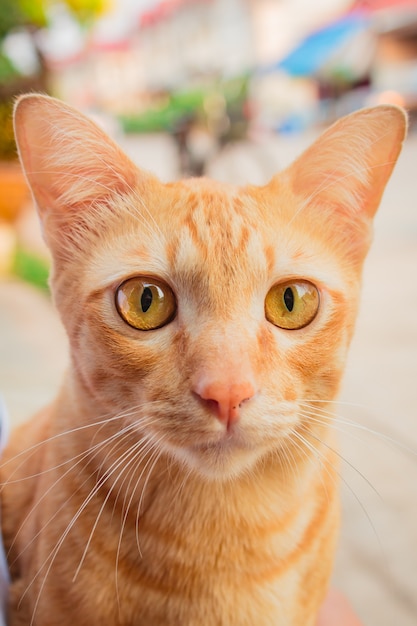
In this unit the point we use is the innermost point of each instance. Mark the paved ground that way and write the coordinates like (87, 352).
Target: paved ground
(377, 561)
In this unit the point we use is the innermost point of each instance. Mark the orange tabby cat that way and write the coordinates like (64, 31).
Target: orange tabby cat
(181, 477)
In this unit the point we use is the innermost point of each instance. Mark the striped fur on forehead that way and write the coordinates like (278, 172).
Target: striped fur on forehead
(218, 217)
(219, 242)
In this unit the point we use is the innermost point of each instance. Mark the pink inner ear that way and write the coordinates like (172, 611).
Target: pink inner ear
(351, 163)
(67, 159)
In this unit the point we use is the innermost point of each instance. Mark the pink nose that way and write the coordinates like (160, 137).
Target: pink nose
(225, 399)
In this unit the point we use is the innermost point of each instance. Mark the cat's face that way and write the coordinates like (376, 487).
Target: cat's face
(209, 315)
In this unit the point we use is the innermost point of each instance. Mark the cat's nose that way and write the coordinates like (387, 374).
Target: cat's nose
(225, 399)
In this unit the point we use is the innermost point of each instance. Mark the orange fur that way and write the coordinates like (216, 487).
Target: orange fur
(179, 478)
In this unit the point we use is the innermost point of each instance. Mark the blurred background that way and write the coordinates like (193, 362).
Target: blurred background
(235, 89)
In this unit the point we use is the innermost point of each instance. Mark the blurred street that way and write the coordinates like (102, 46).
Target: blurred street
(377, 560)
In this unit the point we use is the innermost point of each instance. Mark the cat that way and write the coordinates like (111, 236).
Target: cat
(183, 475)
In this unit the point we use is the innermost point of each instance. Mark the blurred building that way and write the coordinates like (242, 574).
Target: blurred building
(186, 40)
(308, 61)
(173, 45)
(366, 55)
(180, 42)
(393, 74)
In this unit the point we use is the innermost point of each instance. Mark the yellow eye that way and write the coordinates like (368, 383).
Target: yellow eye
(145, 303)
(292, 305)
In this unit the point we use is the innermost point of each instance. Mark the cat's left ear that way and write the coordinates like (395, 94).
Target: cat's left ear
(75, 171)
(350, 164)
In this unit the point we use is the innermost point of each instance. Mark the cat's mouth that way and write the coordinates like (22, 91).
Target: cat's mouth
(223, 445)
(222, 458)
(227, 441)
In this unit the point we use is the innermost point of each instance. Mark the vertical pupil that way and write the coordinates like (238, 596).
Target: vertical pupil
(146, 299)
(289, 299)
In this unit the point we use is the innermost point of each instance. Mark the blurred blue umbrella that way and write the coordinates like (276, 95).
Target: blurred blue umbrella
(336, 49)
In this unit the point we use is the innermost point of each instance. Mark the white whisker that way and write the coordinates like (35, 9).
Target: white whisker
(131, 454)
(366, 429)
(341, 477)
(154, 457)
(32, 449)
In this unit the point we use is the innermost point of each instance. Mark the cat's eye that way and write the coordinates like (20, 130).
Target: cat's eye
(145, 303)
(292, 305)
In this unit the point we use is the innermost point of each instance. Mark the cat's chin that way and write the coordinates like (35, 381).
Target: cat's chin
(219, 460)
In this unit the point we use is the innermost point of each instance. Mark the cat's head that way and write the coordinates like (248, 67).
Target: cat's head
(209, 316)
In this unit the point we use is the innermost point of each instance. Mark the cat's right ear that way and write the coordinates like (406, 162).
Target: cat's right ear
(69, 162)
(339, 180)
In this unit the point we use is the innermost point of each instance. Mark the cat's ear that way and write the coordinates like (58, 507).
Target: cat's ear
(350, 164)
(70, 163)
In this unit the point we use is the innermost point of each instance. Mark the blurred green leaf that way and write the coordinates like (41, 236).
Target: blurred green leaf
(31, 268)
(7, 142)
(34, 11)
(7, 69)
(87, 10)
(18, 13)
(184, 105)
(10, 16)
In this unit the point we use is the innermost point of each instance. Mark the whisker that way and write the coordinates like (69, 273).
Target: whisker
(366, 429)
(54, 552)
(288, 457)
(154, 457)
(318, 456)
(142, 498)
(178, 493)
(140, 446)
(359, 501)
(91, 451)
(348, 486)
(341, 457)
(32, 449)
(80, 458)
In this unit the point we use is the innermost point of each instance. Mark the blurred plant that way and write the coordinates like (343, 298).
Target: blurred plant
(210, 104)
(34, 13)
(31, 268)
(87, 10)
(30, 16)
(7, 143)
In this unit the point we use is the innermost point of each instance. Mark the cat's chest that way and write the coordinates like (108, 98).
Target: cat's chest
(183, 554)
(213, 536)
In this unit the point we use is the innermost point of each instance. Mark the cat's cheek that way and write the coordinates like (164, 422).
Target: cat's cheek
(323, 344)
(318, 366)
(108, 389)
(111, 366)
